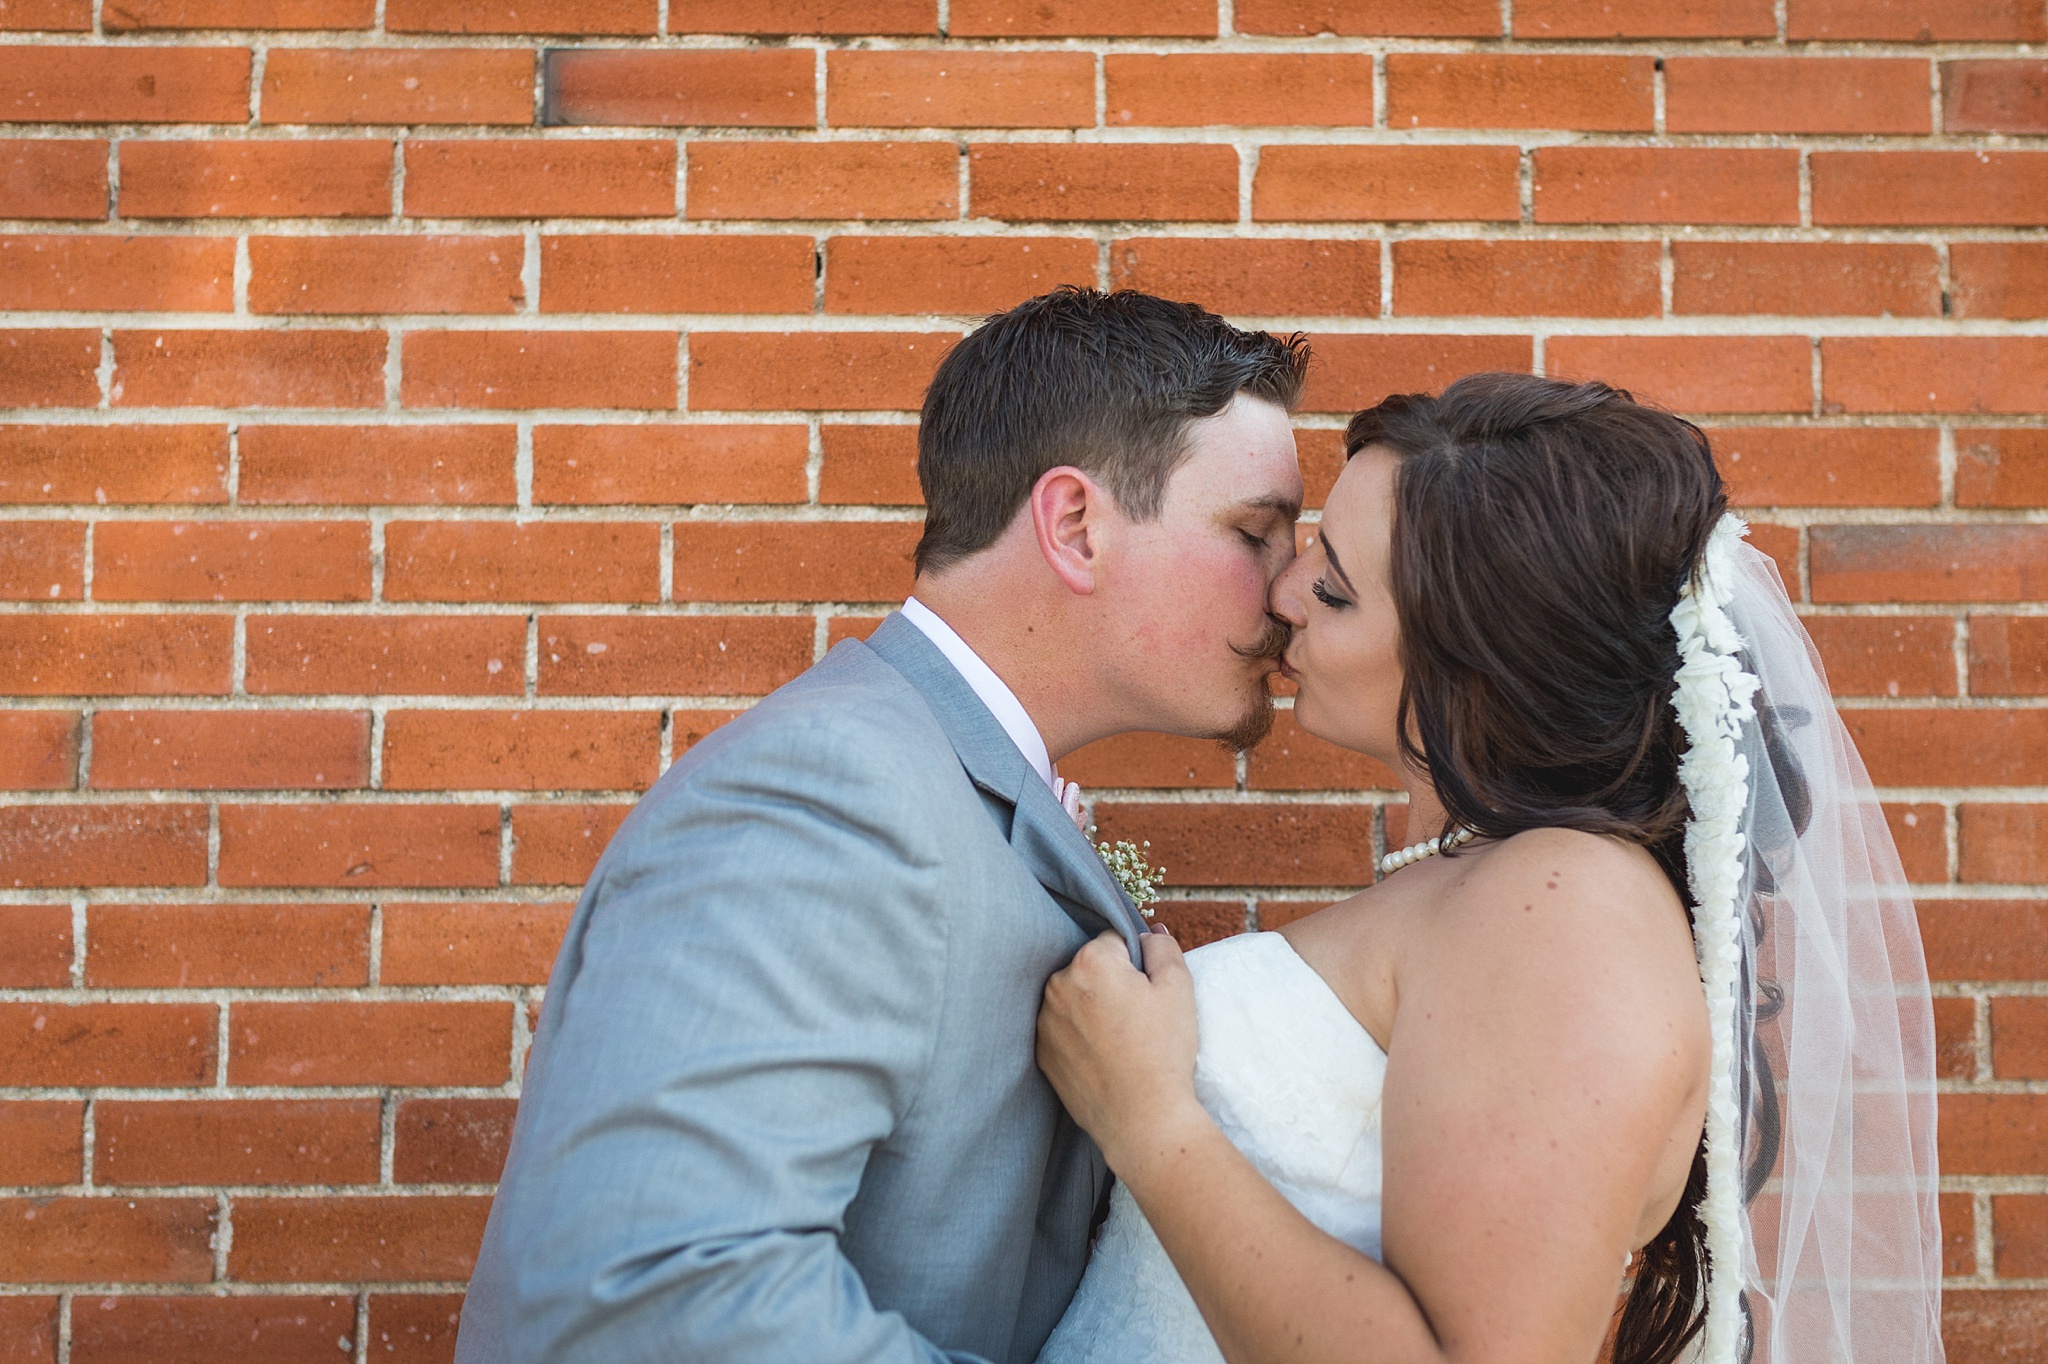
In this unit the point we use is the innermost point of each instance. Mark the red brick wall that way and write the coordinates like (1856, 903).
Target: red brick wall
(428, 417)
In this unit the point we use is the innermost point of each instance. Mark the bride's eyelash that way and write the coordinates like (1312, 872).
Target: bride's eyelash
(1326, 597)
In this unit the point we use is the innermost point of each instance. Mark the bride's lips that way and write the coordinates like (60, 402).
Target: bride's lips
(1286, 670)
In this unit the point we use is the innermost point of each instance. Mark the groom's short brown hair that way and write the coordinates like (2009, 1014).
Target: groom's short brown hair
(1108, 383)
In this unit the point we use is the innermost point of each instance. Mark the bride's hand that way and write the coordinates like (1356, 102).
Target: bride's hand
(1119, 1045)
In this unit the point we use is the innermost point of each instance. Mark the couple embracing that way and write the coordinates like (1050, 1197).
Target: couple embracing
(855, 1051)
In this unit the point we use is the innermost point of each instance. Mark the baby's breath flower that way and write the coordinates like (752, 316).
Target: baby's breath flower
(1139, 878)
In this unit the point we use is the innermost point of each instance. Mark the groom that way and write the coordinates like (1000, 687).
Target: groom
(782, 1105)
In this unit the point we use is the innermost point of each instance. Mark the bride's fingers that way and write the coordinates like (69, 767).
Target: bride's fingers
(1163, 957)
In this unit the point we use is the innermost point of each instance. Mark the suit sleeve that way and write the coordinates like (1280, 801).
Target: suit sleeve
(744, 1009)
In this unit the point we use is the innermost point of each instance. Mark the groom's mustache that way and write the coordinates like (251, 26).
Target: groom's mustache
(1269, 645)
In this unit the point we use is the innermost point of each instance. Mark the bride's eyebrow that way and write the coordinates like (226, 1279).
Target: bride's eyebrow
(1330, 553)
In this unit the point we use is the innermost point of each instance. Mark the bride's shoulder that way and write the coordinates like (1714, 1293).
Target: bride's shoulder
(1564, 888)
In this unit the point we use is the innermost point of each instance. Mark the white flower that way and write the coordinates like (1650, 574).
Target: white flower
(1139, 878)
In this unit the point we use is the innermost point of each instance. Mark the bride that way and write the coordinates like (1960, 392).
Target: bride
(1641, 1019)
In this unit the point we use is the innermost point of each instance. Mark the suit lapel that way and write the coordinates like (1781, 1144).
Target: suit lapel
(1040, 832)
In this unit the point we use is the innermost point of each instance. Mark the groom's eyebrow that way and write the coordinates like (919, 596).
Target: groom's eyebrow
(1274, 503)
(1330, 553)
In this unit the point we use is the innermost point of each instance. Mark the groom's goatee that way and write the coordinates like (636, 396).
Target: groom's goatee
(1257, 721)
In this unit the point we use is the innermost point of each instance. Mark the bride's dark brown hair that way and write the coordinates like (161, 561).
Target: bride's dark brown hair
(1541, 533)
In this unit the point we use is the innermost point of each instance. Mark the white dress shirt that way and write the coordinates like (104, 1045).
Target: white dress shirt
(994, 693)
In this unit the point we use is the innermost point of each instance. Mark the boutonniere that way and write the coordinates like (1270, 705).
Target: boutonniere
(1128, 863)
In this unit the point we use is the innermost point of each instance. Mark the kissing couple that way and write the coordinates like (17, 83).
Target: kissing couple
(856, 1051)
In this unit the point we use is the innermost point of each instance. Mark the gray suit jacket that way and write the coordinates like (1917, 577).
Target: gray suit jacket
(782, 1104)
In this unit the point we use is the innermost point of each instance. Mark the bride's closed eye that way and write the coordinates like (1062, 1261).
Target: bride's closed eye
(1328, 598)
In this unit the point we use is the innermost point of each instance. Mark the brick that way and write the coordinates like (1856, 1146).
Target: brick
(132, 1329)
(550, 178)
(1247, 90)
(386, 655)
(124, 15)
(38, 750)
(106, 1044)
(323, 178)
(373, 465)
(48, 16)
(1930, 564)
(585, 655)
(29, 1322)
(1857, 466)
(1935, 373)
(151, 655)
(1219, 845)
(471, 944)
(416, 1328)
(1083, 18)
(385, 1042)
(231, 561)
(54, 179)
(226, 946)
(2001, 467)
(1151, 760)
(1196, 923)
(326, 368)
(1490, 90)
(42, 1141)
(1992, 1134)
(800, 561)
(963, 275)
(504, 561)
(1958, 1234)
(35, 948)
(845, 371)
(1952, 747)
(795, 180)
(1912, 187)
(1982, 1325)
(871, 465)
(434, 750)
(451, 1141)
(2002, 842)
(202, 750)
(503, 369)
(1540, 278)
(844, 626)
(575, 17)
(49, 368)
(359, 847)
(1369, 18)
(1985, 940)
(558, 845)
(411, 274)
(42, 561)
(1886, 655)
(1796, 95)
(401, 85)
(1321, 455)
(1994, 97)
(1259, 278)
(102, 845)
(380, 1238)
(1999, 279)
(124, 84)
(98, 1240)
(1356, 371)
(1921, 834)
(754, 88)
(1694, 373)
(1666, 185)
(1916, 21)
(113, 465)
(1645, 19)
(236, 1141)
(2019, 1226)
(865, 18)
(959, 89)
(45, 273)
(2009, 655)
(1023, 181)
(1311, 184)
(1806, 279)
(1955, 1043)
(667, 465)
(1291, 759)
(595, 273)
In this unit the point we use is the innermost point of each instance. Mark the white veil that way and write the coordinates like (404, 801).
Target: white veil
(1834, 1086)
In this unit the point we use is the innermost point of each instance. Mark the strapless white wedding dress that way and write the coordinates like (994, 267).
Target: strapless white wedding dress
(1294, 1082)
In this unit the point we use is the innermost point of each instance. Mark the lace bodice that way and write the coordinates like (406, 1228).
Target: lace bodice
(1294, 1082)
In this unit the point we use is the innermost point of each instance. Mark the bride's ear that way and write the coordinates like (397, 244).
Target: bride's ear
(1066, 509)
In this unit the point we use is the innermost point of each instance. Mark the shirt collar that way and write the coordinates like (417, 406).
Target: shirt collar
(994, 693)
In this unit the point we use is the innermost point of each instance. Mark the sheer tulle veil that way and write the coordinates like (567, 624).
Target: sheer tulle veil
(1831, 1032)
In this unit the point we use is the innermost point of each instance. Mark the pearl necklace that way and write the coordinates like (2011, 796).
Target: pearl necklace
(1428, 847)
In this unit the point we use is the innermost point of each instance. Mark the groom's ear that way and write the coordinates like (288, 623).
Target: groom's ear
(1066, 509)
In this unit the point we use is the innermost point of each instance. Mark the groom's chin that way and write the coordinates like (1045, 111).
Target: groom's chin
(1251, 727)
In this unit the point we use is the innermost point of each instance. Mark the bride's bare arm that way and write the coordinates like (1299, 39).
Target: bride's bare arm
(1546, 1063)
